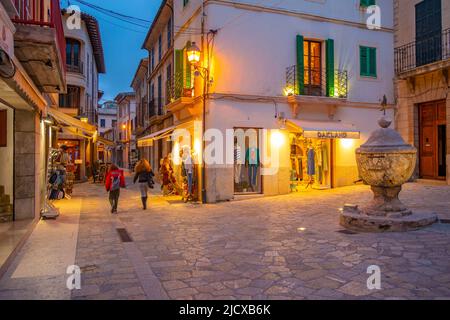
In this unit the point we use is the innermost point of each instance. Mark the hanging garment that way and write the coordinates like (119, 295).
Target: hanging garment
(238, 155)
(252, 174)
(252, 156)
(311, 162)
(237, 173)
(325, 159)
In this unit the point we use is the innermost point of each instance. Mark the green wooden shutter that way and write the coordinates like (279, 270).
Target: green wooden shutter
(330, 67)
(300, 83)
(188, 71)
(373, 62)
(179, 74)
(363, 54)
(368, 61)
(367, 3)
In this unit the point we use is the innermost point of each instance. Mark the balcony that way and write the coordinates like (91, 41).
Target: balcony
(419, 56)
(314, 83)
(39, 43)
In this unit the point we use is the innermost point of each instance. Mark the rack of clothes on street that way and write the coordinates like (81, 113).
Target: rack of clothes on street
(310, 163)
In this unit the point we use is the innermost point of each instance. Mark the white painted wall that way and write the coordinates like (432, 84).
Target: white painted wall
(88, 81)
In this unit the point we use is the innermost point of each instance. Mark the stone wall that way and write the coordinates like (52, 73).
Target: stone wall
(27, 171)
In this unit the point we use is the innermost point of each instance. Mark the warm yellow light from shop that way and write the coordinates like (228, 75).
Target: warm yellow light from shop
(277, 139)
(85, 120)
(193, 53)
(197, 146)
(124, 126)
(347, 143)
(288, 91)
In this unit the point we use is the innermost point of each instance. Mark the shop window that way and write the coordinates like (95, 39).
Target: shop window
(71, 99)
(102, 123)
(310, 163)
(247, 161)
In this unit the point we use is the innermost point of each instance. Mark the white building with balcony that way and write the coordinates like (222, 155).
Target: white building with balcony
(85, 61)
(310, 70)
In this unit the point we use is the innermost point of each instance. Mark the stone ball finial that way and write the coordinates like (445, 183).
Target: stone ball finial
(384, 122)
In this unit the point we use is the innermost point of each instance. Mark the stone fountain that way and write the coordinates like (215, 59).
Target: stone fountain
(385, 162)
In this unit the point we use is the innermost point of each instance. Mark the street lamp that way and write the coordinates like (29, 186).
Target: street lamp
(193, 56)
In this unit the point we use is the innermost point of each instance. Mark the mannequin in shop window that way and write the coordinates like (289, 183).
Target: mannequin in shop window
(252, 161)
(311, 168)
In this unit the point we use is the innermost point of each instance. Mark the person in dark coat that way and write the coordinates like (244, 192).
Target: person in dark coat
(144, 175)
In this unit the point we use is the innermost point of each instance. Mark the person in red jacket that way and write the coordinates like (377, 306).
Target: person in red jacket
(113, 182)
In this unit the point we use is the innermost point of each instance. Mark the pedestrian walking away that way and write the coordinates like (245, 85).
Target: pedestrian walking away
(144, 175)
(113, 182)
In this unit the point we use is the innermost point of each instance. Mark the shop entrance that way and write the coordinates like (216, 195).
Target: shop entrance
(73, 150)
(433, 147)
(310, 163)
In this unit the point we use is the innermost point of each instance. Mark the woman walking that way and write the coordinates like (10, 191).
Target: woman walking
(113, 182)
(144, 175)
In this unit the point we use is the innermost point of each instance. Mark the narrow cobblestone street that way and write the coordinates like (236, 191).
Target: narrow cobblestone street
(285, 247)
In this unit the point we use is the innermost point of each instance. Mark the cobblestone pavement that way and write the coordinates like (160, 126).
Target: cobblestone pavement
(285, 247)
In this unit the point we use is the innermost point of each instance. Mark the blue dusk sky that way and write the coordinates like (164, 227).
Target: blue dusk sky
(122, 41)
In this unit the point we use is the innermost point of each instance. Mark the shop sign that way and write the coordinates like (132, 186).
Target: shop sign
(6, 35)
(331, 134)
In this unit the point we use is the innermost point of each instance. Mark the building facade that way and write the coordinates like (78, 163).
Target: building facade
(85, 60)
(422, 64)
(127, 152)
(305, 78)
(107, 121)
(32, 74)
(155, 118)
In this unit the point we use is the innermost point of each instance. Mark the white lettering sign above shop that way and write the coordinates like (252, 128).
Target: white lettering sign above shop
(331, 134)
(6, 34)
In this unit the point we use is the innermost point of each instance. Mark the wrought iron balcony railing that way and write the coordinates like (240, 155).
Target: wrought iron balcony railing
(423, 52)
(315, 83)
(76, 68)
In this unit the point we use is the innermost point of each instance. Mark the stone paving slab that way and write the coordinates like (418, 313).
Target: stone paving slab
(284, 247)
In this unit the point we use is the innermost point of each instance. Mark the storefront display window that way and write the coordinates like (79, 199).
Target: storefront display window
(310, 163)
(247, 161)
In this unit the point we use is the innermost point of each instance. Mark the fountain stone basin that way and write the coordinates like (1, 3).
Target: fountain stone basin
(385, 162)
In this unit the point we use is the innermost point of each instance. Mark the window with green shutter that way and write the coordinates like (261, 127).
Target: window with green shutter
(367, 3)
(300, 76)
(368, 61)
(179, 73)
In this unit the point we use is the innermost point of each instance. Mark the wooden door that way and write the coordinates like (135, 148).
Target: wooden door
(431, 117)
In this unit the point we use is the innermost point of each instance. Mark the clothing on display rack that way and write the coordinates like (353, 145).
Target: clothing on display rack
(238, 163)
(311, 162)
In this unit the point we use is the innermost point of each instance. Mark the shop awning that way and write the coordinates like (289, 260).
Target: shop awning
(324, 129)
(147, 141)
(106, 142)
(70, 121)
